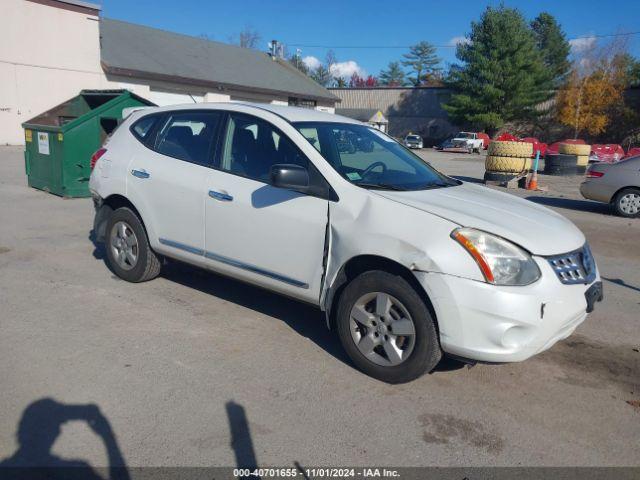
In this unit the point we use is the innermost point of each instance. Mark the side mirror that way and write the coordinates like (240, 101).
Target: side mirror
(290, 176)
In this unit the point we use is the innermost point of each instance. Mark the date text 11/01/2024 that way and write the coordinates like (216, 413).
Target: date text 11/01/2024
(317, 473)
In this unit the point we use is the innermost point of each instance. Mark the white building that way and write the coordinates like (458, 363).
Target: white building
(52, 49)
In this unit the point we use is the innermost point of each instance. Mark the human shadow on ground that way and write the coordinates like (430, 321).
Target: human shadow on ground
(39, 427)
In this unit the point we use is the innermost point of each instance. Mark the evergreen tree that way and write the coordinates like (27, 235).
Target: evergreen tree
(553, 44)
(296, 61)
(322, 75)
(423, 62)
(502, 77)
(393, 76)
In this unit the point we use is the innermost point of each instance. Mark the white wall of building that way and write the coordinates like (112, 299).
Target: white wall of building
(48, 54)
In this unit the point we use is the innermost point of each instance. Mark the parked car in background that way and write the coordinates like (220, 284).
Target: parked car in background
(609, 153)
(538, 146)
(406, 263)
(615, 183)
(413, 141)
(468, 141)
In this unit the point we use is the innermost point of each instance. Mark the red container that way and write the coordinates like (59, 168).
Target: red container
(538, 146)
(507, 137)
(609, 153)
(485, 139)
(633, 152)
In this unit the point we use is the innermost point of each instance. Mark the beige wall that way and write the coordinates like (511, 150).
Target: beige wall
(47, 55)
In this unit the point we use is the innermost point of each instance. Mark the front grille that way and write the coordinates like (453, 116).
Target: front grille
(574, 267)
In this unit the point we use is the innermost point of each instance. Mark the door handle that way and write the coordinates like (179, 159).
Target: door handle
(140, 173)
(225, 197)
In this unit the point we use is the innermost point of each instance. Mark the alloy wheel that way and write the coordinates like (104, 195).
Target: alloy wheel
(124, 245)
(382, 329)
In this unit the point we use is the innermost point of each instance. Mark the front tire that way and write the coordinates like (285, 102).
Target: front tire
(129, 255)
(627, 203)
(386, 328)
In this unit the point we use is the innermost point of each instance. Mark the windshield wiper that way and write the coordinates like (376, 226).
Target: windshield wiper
(381, 186)
(437, 185)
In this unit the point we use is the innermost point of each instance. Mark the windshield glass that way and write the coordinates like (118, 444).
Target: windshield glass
(369, 158)
(413, 137)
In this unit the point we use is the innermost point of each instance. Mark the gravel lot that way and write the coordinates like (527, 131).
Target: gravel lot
(176, 365)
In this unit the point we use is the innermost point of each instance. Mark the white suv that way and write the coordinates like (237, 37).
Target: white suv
(405, 261)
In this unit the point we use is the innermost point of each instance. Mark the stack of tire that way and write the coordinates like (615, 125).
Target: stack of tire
(581, 152)
(571, 159)
(507, 160)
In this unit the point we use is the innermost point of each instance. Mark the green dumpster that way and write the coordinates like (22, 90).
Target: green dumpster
(59, 142)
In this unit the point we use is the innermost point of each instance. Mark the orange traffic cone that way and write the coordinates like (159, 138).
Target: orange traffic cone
(533, 181)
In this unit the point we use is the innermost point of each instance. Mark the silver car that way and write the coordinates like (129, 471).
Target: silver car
(413, 141)
(615, 183)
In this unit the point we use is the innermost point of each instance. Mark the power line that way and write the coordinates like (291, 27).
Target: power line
(335, 47)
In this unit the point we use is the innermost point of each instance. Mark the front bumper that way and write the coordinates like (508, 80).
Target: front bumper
(492, 323)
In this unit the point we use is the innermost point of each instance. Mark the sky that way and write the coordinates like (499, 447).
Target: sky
(387, 26)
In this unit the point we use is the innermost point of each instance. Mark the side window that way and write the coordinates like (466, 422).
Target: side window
(252, 146)
(143, 126)
(189, 136)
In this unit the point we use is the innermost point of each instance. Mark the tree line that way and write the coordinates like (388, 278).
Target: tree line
(511, 72)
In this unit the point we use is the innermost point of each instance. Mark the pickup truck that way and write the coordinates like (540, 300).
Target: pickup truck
(468, 141)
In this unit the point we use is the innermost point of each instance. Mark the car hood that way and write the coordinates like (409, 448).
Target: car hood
(461, 139)
(538, 229)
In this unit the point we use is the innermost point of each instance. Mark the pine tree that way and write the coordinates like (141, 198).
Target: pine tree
(296, 61)
(553, 44)
(423, 62)
(322, 75)
(393, 76)
(502, 77)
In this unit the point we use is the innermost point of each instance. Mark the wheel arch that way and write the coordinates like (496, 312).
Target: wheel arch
(365, 263)
(617, 192)
(108, 206)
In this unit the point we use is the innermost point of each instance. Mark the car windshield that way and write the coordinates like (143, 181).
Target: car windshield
(413, 137)
(464, 135)
(368, 158)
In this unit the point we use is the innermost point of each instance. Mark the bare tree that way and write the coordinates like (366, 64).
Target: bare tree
(249, 37)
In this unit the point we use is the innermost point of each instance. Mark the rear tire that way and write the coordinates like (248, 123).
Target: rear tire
(129, 255)
(410, 355)
(626, 203)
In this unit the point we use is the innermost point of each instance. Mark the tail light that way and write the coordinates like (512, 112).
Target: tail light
(594, 174)
(96, 156)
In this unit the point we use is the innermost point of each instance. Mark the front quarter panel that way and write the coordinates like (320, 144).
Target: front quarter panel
(364, 223)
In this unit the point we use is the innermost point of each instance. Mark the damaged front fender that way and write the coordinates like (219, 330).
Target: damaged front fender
(374, 226)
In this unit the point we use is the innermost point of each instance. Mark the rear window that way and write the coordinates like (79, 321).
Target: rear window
(143, 126)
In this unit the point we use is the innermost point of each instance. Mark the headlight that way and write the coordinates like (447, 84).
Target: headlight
(501, 262)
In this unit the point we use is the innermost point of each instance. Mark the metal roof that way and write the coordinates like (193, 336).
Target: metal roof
(396, 101)
(138, 51)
